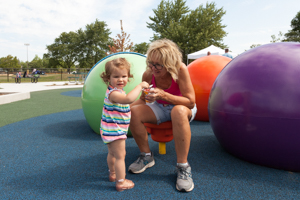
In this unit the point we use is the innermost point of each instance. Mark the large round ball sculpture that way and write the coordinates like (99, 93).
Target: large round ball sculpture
(94, 88)
(254, 106)
(203, 73)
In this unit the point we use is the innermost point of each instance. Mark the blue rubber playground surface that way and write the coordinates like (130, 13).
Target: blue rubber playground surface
(58, 156)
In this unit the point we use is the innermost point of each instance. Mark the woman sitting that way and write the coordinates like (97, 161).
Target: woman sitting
(174, 100)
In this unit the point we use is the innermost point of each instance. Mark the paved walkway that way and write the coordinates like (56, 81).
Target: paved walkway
(32, 87)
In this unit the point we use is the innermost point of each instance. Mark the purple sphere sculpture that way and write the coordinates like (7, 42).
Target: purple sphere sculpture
(254, 106)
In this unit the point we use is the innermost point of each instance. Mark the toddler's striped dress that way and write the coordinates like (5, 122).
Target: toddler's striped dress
(115, 118)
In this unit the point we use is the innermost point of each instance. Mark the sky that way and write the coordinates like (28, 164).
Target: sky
(38, 23)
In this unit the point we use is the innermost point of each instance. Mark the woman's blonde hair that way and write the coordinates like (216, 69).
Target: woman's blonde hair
(110, 67)
(168, 53)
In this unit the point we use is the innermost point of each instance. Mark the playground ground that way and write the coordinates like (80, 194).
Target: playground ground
(48, 151)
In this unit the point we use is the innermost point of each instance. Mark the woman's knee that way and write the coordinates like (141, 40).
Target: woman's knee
(138, 114)
(180, 112)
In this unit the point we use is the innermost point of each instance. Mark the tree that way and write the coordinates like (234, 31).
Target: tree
(63, 51)
(192, 30)
(294, 34)
(274, 39)
(141, 48)
(9, 62)
(254, 45)
(38, 63)
(93, 43)
(82, 47)
(23, 64)
(168, 15)
(122, 42)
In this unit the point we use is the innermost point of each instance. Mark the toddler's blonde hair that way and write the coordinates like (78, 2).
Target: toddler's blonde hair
(111, 65)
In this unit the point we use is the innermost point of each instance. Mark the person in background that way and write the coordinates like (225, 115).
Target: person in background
(227, 54)
(208, 53)
(18, 77)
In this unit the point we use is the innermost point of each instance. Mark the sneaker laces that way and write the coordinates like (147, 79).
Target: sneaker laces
(182, 173)
(140, 158)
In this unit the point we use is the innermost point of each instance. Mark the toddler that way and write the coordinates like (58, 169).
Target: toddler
(116, 118)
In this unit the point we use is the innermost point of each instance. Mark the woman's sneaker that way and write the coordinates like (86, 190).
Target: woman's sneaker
(184, 179)
(142, 163)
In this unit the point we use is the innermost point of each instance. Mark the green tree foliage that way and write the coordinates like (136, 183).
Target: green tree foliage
(23, 64)
(9, 62)
(294, 34)
(38, 63)
(273, 40)
(192, 30)
(83, 47)
(254, 45)
(278, 39)
(93, 43)
(167, 16)
(63, 51)
(141, 48)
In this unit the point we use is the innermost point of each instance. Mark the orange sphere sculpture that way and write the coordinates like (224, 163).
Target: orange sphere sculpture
(203, 72)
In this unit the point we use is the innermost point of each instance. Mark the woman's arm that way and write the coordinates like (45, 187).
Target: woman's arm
(186, 88)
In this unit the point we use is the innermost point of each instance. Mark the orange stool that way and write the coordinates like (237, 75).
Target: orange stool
(161, 133)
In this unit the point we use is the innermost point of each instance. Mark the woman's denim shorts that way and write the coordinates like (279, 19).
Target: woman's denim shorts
(163, 111)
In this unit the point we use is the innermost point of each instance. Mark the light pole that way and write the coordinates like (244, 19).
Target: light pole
(27, 53)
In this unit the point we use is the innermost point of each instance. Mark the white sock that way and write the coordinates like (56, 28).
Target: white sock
(148, 154)
(183, 164)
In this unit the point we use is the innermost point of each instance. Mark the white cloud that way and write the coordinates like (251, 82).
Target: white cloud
(247, 2)
(268, 7)
(133, 18)
(45, 18)
(40, 22)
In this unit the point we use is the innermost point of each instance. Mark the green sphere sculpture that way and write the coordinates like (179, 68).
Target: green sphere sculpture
(94, 88)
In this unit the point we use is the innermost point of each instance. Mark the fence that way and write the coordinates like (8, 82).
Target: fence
(47, 74)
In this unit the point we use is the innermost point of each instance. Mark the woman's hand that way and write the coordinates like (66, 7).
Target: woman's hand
(154, 94)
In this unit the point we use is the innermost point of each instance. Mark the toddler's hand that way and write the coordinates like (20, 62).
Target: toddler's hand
(144, 84)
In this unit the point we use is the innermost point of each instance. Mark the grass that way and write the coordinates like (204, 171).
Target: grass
(40, 103)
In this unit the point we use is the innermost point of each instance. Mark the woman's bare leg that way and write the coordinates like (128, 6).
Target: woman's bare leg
(181, 131)
(139, 115)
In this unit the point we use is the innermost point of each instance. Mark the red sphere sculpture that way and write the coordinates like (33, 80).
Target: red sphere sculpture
(203, 73)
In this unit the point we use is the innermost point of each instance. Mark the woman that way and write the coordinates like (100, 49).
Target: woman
(174, 100)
